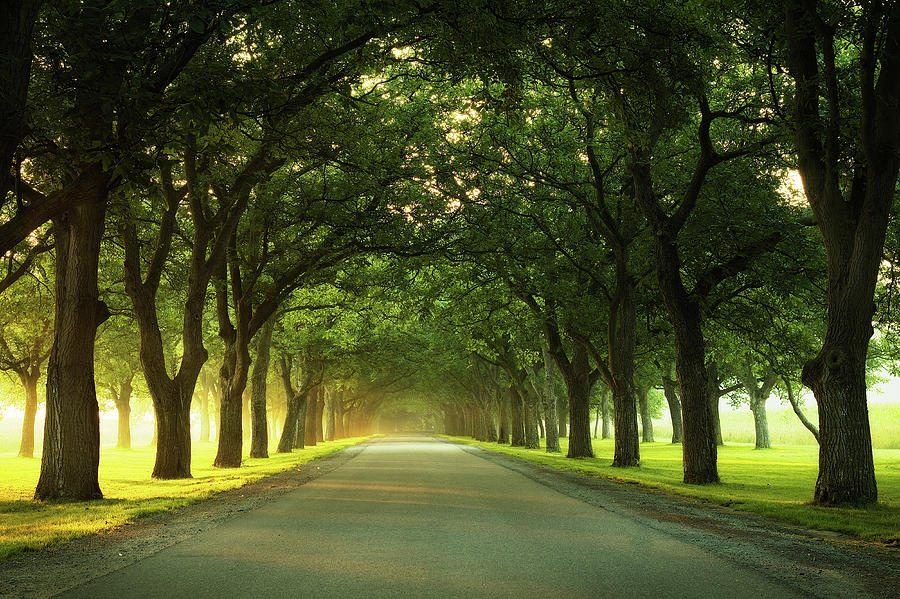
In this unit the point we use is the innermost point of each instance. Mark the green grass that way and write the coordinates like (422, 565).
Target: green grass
(129, 492)
(777, 483)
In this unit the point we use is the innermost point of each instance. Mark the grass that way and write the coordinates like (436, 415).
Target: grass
(777, 483)
(129, 492)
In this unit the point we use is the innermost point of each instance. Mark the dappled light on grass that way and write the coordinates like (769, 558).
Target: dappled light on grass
(774, 482)
(129, 492)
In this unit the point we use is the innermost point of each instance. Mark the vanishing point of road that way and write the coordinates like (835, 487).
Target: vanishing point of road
(416, 516)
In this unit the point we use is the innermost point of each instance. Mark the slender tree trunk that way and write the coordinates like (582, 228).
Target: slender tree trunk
(329, 414)
(320, 411)
(517, 418)
(795, 405)
(597, 415)
(505, 426)
(259, 444)
(646, 421)
(671, 395)
(531, 415)
(246, 422)
(29, 382)
(605, 416)
(204, 414)
(551, 427)
(714, 398)
(300, 431)
(123, 408)
(309, 426)
(71, 455)
(760, 422)
(562, 413)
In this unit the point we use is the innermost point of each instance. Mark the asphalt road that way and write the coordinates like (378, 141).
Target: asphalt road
(418, 517)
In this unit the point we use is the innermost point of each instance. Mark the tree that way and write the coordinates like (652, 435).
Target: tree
(847, 135)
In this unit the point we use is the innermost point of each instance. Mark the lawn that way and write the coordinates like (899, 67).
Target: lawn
(129, 492)
(774, 482)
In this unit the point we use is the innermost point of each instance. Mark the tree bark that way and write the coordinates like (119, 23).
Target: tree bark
(646, 421)
(622, 341)
(329, 414)
(579, 381)
(796, 407)
(320, 411)
(309, 426)
(123, 408)
(671, 394)
(562, 413)
(605, 417)
(71, 454)
(714, 397)
(531, 413)
(505, 427)
(16, 25)
(551, 429)
(853, 223)
(29, 380)
(517, 418)
(259, 444)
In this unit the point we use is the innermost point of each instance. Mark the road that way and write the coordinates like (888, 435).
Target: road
(419, 517)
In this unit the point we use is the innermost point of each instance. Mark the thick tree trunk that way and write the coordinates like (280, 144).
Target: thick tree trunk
(29, 383)
(846, 469)
(259, 444)
(16, 24)
(578, 386)
(71, 454)
(234, 372)
(123, 408)
(173, 446)
(517, 418)
(551, 428)
(671, 394)
(646, 421)
(622, 341)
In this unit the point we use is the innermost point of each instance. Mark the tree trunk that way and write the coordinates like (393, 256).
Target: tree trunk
(597, 414)
(505, 426)
(551, 427)
(531, 404)
(309, 425)
(562, 413)
(605, 416)
(517, 418)
(16, 24)
(123, 408)
(621, 342)
(259, 444)
(246, 422)
(320, 412)
(329, 414)
(204, 414)
(760, 422)
(71, 454)
(674, 406)
(300, 432)
(795, 405)
(29, 382)
(646, 421)
(235, 368)
(578, 386)
(714, 398)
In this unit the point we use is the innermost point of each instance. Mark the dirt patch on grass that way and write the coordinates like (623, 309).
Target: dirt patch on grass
(49, 572)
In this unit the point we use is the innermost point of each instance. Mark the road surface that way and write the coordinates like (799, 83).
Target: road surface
(420, 517)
